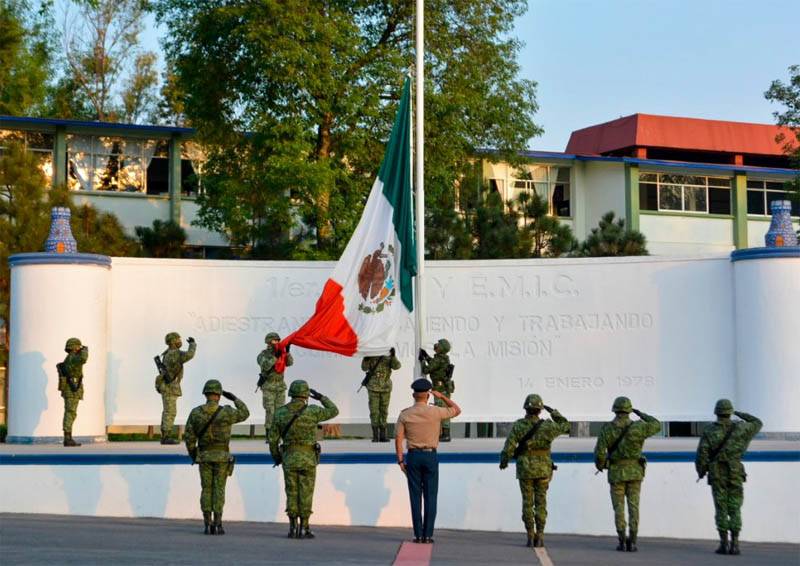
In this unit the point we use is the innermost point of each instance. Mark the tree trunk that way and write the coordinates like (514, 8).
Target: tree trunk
(324, 226)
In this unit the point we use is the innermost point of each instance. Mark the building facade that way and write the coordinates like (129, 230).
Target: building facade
(691, 186)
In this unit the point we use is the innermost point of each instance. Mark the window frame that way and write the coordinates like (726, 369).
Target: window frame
(671, 181)
(551, 180)
(764, 191)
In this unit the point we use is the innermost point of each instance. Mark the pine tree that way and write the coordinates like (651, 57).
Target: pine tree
(611, 238)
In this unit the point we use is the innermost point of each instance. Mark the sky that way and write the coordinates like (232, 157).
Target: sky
(597, 60)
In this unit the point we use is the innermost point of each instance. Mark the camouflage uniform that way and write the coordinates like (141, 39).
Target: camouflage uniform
(298, 454)
(173, 359)
(436, 368)
(534, 465)
(77, 354)
(626, 469)
(726, 474)
(211, 451)
(379, 389)
(273, 388)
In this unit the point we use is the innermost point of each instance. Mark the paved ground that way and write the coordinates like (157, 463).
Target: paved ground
(60, 540)
(365, 446)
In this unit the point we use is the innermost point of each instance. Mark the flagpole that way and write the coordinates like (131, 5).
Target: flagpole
(419, 163)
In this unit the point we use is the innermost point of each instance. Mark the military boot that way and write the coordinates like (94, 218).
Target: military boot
(382, 434)
(621, 541)
(68, 440)
(306, 529)
(630, 544)
(723, 543)
(376, 434)
(734, 548)
(207, 522)
(293, 527)
(218, 523)
(538, 539)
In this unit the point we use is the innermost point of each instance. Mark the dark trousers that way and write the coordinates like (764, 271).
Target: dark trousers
(422, 473)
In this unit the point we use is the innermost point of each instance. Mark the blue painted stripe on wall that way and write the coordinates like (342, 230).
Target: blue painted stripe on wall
(349, 458)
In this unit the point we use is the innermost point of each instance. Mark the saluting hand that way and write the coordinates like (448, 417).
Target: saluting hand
(315, 394)
(228, 395)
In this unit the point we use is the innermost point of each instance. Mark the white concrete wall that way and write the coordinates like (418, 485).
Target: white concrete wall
(196, 236)
(483, 498)
(674, 235)
(603, 190)
(579, 331)
(50, 304)
(767, 330)
(132, 210)
(756, 230)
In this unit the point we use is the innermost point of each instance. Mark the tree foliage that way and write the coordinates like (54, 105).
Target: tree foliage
(611, 238)
(314, 84)
(24, 57)
(163, 239)
(788, 95)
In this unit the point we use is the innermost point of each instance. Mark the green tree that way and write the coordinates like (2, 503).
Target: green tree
(105, 70)
(611, 238)
(164, 239)
(24, 57)
(542, 235)
(788, 94)
(314, 83)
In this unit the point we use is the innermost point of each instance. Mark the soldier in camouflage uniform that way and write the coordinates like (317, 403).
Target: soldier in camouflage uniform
(379, 388)
(170, 388)
(719, 455)
(70, 383)
(207, 437)
(296, 424)
(625, 464)
(271, 383)
(534, 463)
(436, 368)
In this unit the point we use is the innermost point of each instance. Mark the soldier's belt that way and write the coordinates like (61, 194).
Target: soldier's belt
(309, 447)
(625, 461)
(214, 448)
(538, 452)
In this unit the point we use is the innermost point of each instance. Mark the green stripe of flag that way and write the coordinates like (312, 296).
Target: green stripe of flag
(395, 174)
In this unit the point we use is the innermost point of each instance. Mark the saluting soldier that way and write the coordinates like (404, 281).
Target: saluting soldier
(270, 380)
(529, 444)
(440, 371)
(70, 384)
(619, 449)
(719, 455)
(168, 382)
(207, 438)
(378, 382)
(295, 424)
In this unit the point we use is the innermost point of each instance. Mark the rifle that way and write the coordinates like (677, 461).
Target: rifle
(202, 432)
(370, 375)
(614, 446)
(283, 435)
(162, 370)
(524, 440)
(715, 452)
(262, 377)
(73, 384)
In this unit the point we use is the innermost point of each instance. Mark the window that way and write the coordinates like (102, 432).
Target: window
(549, 182)
(39, 144)
(684, 193)
(99, 163)
(761, 193)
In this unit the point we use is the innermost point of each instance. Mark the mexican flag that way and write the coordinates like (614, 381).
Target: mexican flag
(370, 292)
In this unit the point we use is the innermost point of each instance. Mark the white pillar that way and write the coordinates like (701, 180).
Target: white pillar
(767, 303)
(55, 297)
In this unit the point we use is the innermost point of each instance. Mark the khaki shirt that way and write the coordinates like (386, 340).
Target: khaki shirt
(422, 424)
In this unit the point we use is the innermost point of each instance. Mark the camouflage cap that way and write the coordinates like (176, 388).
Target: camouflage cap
(171, 337)
(533, 401)
(622, 405)
(272, 336)
(444, 345)
(72, 343)
(212, 386)
(724, 407)
(298, 388)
